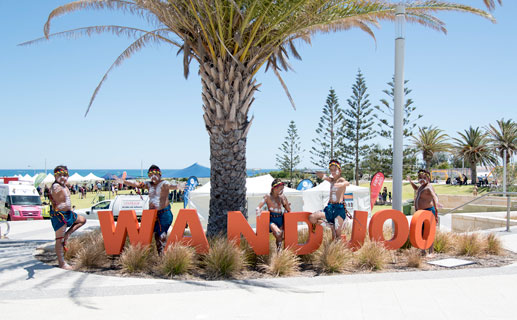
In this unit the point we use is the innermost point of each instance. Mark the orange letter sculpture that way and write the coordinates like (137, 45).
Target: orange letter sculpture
(401, 228)
(197, 240)
(238, 225)
(291, 220)
(422, 239)
(358, 229)
(127, 224)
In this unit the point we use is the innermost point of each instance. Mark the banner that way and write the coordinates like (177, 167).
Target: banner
(305, 184)
(192, 183)
(349, 202)
(375, 187)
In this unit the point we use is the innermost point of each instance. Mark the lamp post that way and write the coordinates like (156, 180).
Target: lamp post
(398, 100)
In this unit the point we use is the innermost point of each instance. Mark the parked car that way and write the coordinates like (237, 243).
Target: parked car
(19, 201)
(119, 203)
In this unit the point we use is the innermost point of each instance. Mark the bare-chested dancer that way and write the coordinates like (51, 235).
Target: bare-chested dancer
(426, 198)
(61, 214)
(275, 201)
(334, 213)
(159, 200)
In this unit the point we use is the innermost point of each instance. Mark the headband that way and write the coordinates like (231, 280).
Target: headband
(154, 171)
(334, 163)
(61, 172)
(279, 183)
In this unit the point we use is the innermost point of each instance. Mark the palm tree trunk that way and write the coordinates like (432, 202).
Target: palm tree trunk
(228, 90)
(473, 172)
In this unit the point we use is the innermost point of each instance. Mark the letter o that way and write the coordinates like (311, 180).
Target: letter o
(401, 231)
(422, 219)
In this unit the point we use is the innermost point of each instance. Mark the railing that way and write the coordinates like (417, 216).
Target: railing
(507, 194)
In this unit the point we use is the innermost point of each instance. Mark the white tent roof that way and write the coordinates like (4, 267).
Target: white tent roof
(92, 177)
(256, 188)
(48, 179)
(76, 177)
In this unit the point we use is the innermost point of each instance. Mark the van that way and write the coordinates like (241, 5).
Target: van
(119, 203)
(19, 201)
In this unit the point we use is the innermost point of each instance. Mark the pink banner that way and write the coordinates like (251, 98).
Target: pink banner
(375, 187)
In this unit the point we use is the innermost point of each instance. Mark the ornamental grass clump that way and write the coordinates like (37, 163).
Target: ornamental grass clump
(177, 260)
(332, 257)
(76, 243)
(469, 245)
(92, 253)
(372, 255)
(444, 242)
(414, 257)
(283, 262)
(224, 259)
(136, 258)
(493, 245)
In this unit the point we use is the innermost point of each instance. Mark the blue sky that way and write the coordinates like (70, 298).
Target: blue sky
(147, 111)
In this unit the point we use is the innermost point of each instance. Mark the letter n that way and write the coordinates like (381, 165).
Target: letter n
(291, 220)
(197, 240)
(423, 229)
(127, 225)
(238, 225)
(401, 231)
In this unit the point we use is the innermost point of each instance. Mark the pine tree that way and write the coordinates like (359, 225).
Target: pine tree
(329, 143)
(290, 151)
(385, 116)
(358, 122)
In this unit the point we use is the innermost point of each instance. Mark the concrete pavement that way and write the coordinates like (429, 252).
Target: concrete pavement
(29, 289)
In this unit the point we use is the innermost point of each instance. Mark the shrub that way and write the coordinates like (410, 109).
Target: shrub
(283, 262)
(333, 256)
(443, 242)
(136, 258)
(224, 259)
(493, 244)
(372, 255)
(76, 243)
(177, 259)
(469, 245)
(414, 258)
(91, 252)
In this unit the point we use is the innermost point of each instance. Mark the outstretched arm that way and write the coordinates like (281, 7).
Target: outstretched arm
(411, 183)
(323, 176)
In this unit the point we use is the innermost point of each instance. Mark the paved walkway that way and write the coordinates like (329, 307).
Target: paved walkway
(30, 289)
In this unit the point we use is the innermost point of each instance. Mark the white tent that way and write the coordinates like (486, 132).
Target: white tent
(316, 198)
(76, 177)
(256, 188)
(27, 177)
(92, 177)
(48, 179)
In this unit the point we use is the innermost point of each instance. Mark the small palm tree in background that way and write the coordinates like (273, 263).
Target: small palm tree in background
(231, 40)
(503, 137)
(473, 146)
(430, 141)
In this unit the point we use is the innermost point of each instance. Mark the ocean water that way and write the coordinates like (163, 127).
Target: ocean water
(101, 172)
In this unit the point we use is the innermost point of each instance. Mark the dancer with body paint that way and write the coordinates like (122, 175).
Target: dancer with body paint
(334, 213)
(276, 202)
(61, 214)
(426, 198)
(159, 200)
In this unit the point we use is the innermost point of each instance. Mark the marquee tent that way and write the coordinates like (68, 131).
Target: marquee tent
(48, 179)
(76, 177)
(316, 198)
(92, 177)
(256, 188)
(196, 170)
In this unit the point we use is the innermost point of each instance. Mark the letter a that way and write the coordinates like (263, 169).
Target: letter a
(291, 220)
(238, 225)
(127, 224)
(197, 240)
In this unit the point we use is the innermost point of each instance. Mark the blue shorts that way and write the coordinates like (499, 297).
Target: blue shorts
(276, 218)
(334, 210)
(61, 218)
(163, 220)
(433, 210)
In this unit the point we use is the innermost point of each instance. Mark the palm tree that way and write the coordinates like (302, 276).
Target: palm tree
(504, 137)
(490, 4)
(474, 147)
(232, 40)
(430, 141)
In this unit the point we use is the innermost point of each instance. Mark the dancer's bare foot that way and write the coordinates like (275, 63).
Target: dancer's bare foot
(66, 266)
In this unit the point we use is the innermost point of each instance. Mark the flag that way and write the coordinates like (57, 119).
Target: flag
(375, 187)
(192, 183)
(305, 184)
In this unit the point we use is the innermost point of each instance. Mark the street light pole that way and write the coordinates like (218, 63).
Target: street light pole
(398, 100)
